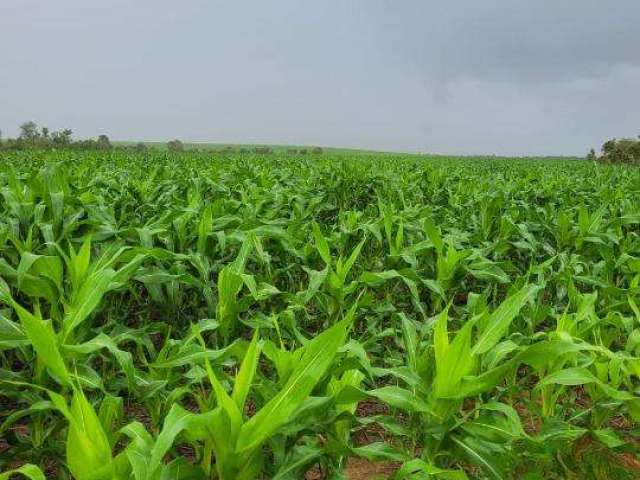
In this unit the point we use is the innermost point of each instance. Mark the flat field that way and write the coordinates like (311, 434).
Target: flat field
(236, 316)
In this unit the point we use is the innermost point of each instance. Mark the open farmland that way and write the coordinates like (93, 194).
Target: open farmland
(235, 317)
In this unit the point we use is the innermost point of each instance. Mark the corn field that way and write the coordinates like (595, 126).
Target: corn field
(239, 316)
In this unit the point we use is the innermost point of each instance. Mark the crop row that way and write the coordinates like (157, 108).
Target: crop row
(236, 317)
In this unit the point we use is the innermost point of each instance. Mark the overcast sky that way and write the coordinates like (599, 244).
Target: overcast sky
(466, 76)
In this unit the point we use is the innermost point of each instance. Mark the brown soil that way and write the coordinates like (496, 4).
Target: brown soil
(157, 339)
(371, 407)
(51, 468)
(370, 434)
(187, 451)
(373, 432)
(135, 411)
(582, 446)
(361, 469)
(621, 423)
(314, 474)
(628, 460)
(530, 423)
(250, 408)
(21, 429)
(189, 403)
(583, 400)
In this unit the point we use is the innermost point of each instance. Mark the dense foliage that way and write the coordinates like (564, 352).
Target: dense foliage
(623, 150)
(33, 137)
(190, 316)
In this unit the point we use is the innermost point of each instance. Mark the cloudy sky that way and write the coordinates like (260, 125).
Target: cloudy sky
(465, 76)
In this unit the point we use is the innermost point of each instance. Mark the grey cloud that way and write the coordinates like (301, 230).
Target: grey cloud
(491, 76)
(523, 40)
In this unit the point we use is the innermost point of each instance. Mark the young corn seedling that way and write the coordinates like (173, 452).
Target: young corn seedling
(235, 442)
(434, 396)
(338, 271)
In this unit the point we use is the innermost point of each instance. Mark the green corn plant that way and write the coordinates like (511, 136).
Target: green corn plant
(340, 430)
(449, 261)
(338, 271)
(395, 243)
(235, 442)
(88, 453)
(434, 396)
(230, 281)
(89, 282)
(30, 471)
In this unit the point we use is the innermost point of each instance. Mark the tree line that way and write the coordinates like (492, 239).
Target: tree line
(618, 150)
(33, 137)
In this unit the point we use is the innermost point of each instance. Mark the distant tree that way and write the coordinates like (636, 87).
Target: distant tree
(82, 145)
(61, 138)
(623, 150)
(302, 151)
(175, 146)
(609, 146)
(29, 131)
(140, 147)
(317, 150)
(592, 155)
(103, 143)
(262, 150)
(45, 132)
